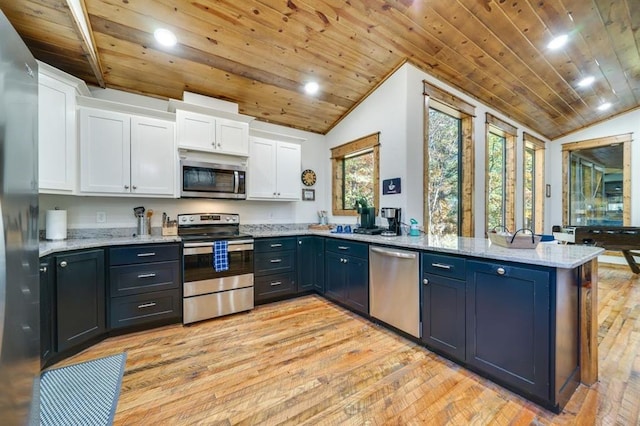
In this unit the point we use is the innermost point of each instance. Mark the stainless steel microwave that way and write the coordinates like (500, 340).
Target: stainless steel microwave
(200, 179)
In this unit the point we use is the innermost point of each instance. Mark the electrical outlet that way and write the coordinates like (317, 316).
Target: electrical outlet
(101, 217)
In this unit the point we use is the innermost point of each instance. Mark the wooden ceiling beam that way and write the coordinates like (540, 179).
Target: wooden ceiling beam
(80, 18)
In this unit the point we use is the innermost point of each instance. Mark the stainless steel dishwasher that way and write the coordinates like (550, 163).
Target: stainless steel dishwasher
(394, 288)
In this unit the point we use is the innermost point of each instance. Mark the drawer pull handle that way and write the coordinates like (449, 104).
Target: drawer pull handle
(147, 305)
(276, 245)
(151, 275)
(500, 271)
(343, 247)
(441, 266)
(146, 254)
(275, 283)
(275, 260)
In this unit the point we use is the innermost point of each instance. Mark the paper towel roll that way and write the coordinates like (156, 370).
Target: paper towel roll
(56, 223)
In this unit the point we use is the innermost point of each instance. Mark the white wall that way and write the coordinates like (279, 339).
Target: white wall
(119, 210)
(396, 109)
(625, 123)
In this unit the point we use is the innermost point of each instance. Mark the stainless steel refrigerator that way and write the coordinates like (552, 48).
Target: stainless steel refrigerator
(19, 267)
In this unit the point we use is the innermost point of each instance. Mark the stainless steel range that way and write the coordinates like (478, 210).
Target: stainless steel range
(215, 284)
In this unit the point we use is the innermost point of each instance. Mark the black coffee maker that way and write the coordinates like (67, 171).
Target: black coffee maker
(393, 215)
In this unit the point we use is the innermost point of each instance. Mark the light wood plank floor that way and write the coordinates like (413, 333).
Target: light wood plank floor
(306, 361)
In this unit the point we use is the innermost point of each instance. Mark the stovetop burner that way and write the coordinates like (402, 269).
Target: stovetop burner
(205, 227)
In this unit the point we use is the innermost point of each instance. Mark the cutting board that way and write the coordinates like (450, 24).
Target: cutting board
(319, 227)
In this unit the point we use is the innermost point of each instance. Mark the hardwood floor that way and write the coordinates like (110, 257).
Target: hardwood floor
(307, 361)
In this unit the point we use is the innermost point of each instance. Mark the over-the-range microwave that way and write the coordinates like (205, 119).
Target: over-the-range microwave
(200, 179)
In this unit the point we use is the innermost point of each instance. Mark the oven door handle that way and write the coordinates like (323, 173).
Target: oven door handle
(206, 248)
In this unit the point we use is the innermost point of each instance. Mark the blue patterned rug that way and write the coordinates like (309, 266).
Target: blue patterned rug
(82, 394)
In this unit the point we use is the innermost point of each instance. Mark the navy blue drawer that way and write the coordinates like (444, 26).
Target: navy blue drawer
(144, 308)
(133, 279)
(274, 285)
(270, 263)
(143, 253)
(266, 245)
(444, 265)
(347, 247)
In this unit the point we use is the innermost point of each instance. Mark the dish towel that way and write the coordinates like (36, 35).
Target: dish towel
(220, 258)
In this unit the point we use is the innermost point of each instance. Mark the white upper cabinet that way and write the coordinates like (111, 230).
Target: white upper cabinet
(105, 154)
(207, 130)
(274, 170)
(57, 134)
(196, 131)
(153, 156)
(123, 154)
(232, 137)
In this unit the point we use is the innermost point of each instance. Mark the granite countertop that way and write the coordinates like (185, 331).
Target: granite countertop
(546, 254)
(49, 247)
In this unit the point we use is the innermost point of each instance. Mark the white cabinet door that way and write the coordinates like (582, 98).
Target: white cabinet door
(274, 170)
(153, 156)
(57, 136)
(262, 169)
(105, 139)
(232, 137)
(196, 131)
(288, 171)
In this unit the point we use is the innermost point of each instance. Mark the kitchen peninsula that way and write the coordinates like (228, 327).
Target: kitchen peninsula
(523, 318)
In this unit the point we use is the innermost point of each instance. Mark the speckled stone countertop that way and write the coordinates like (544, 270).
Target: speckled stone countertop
(49, 247)
(546, 254)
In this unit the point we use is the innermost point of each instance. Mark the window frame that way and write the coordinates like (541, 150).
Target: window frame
(338, 154)
(434, 96)
(539, 190)
(495, 125)
(625, 139)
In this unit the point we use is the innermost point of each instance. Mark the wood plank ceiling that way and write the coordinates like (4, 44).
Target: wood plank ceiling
(259, 53)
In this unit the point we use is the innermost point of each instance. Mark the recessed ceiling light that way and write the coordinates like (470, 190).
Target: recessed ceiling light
(587, 81)
(604, 106)
(311, 88)
(165, 37)
(558, 42)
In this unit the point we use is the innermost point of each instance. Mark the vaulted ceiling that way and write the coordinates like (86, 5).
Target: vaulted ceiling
(260, 53)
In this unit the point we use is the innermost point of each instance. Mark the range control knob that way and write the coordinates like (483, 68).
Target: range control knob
(191, 219)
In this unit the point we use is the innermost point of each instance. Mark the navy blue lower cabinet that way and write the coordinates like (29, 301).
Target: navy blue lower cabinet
(309, 272)
(357, 279)
(80, 297)
(319, 283)
(508, 325)
(347, 276)
(335, 281)
(443, 315)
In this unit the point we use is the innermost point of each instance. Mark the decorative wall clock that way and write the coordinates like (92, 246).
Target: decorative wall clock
(308, 177)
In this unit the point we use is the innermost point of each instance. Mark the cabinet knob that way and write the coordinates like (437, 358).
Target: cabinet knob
(425, 281)
(278, 194)
(63, 264)
(43, 269)
(500, 271)
(300, 242)
(126, 187)
(134, 187)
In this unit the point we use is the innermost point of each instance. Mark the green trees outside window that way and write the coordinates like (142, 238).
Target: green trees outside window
(443, 193)
(358, 179)
(496, 180)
